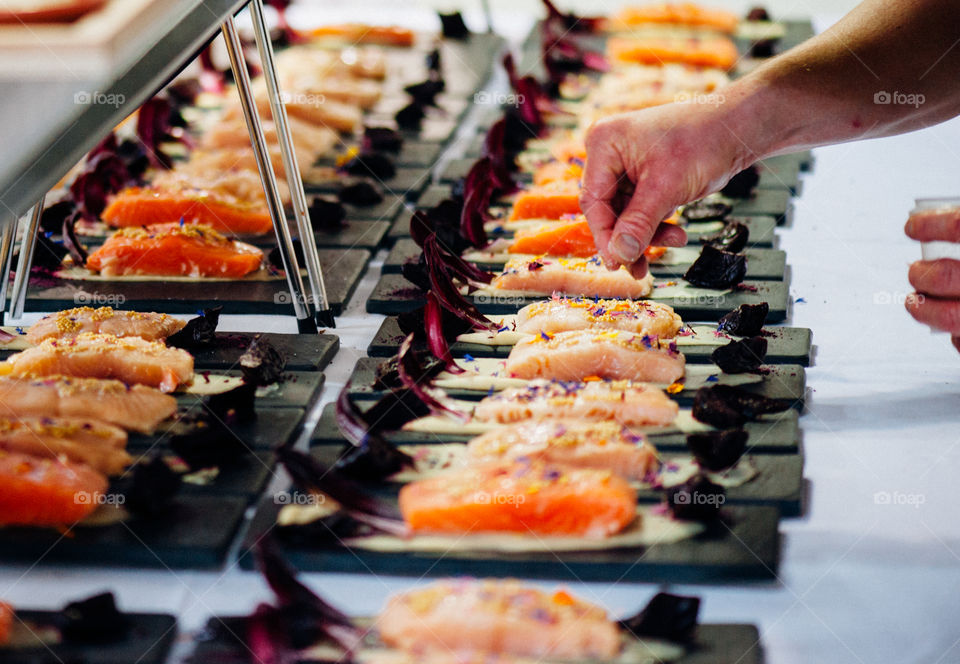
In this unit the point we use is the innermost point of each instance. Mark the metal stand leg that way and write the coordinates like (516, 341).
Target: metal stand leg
(314, 271)
(294, 281)
(9, 233)
(21, 279)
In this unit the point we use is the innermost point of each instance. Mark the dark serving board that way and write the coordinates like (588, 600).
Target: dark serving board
(342, 270)
(785, 345)
(714, 644)
(272, 427)
(779, 482)
(148, 641)
(395, 295)
(784, 382)
(762, 264)
(299, 389)
(195, 534)
(246, 476)
(771, 434)
(423, 154)
(354, 235)
(747, 549)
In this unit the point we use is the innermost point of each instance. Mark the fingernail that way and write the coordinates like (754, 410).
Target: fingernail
(626, 248)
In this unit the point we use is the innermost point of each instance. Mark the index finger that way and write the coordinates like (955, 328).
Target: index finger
(933, 225)
(601, 179)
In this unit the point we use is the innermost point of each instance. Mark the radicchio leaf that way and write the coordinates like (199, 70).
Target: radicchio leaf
(369, 457)
(414, 377)
(154, 128)
(436, 340)
(72, 243)
(103, 175)
(571, 21)
(478, 189)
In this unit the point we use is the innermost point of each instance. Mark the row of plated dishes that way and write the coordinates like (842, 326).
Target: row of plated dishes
(545, 419)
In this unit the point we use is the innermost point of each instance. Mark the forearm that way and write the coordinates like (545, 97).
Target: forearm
(833, 88)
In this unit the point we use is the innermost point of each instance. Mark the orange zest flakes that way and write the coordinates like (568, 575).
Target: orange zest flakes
(592, 379)
(675, 388)
(563, 598)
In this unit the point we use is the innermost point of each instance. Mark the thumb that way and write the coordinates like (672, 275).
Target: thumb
(635, 227)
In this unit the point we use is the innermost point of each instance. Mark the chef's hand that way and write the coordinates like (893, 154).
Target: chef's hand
(642, 165)
(937, 300)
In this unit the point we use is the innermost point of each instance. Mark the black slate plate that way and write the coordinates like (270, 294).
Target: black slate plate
(246, 476)
(354, 235)
(785, 345)
(762, 264)
(342, 270)
(395, 295)
(299, 389)
(779, 482)
(148, 641)
(419, 153)
(784, 382)
(303, 352)
(715, 644)
(195, 534)
(773, 434)
(272, 427)
(745, 550)
(406, 183)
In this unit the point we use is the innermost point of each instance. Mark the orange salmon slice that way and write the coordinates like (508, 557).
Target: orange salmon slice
(704, 51)
(675, 13)
(98, 445)
(533, 497)
(564, 238)
(561, 314)
(175, 251)
(146, 206)
(46, 492)
(551, 201)
(585, 277)
(104, 320)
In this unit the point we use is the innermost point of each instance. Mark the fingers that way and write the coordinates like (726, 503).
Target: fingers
(639, 268)
(940, 278)
(669, 235)
(933, 225)
(602, 175)
(938, 313)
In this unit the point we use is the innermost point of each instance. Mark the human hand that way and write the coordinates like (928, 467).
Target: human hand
(642, 165)
(937, 300)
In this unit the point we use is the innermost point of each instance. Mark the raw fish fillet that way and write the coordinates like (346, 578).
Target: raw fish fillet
(585, 277)
(46, 492)
(98, 445)
(560, 314)
(104, 320)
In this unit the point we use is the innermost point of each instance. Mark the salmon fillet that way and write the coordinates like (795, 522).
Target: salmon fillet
(129, 359)
(560, 314)
(550, 201)
(558, 171)
(310, 141)
(497, 616)
(577, 443)
(104, 320)
(236, 170)
(674, 13)
(174, 250)
(571, 276)
(520, 497)
(630, 404)
(564, 238)
(593, 354)
(134, 408)
(46, 492)
(699, 51)
(98, 445)
(362, 33)
(363, 62)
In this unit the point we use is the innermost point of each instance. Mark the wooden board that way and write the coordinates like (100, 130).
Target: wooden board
(395, 295)
(714, 644)
(785, 345)
(784, 382)
(771, 434)
(147, 641)
(746, 549)
(195, 534)
(779, 480)
(762, 264)
(342, 270)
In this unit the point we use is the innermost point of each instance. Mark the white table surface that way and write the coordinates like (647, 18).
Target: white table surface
(860, 580)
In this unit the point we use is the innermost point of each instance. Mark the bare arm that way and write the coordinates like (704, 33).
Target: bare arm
(641, 165)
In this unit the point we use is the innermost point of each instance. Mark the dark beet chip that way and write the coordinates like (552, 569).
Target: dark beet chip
(376, 164)
(151, 488)
(76, 248)
(745, 321)
(234, 406)
(208, 444)
(453, 27)
(729, 407)
(47, 254)
(373, 461)
(51, 221)
(425, 93)
(742, 184)
(276, 261)
(763, 48)
(387, 375)
(416, 272)
(758, 13)
(199, 332)
(360, 192)
(93, 619)
(718, 450)
(716, 268)
(666, 616)
(382, 139)
(697, 499)
(410, 116)
(706, 211)
(262, 364)
(434, 62)
(326, 214)
(740, 356)
(396, 408)
(733, 237)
